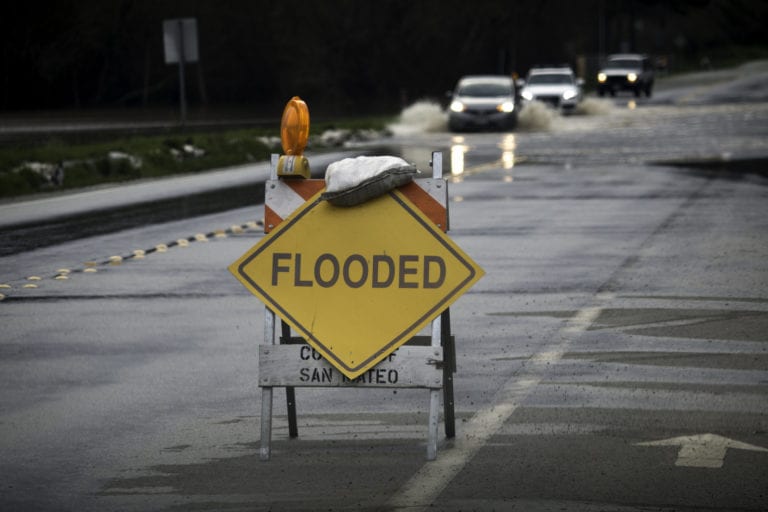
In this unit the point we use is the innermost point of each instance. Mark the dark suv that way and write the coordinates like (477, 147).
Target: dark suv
(484, 101)
(623, 72)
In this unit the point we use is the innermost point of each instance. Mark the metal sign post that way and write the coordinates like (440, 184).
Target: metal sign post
(180, 45)
(434, 394)
(269, 339)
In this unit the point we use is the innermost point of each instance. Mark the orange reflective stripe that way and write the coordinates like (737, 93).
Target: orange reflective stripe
(283, 197)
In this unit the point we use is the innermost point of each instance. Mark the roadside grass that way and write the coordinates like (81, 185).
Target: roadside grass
(36, 167)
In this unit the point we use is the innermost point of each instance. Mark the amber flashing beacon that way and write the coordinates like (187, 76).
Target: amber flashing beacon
(294, 132)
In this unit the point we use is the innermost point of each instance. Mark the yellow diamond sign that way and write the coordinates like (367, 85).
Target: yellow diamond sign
(357, 282)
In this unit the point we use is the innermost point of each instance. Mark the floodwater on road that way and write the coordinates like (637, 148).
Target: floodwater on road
(729, 139)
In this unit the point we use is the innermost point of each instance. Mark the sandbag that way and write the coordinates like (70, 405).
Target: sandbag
(353, 181)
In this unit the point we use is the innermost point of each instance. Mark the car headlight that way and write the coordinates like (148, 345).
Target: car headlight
(569, 95)
(631, 77)
(528, 95)
(602, 77)
(507, 107)
(457, 106)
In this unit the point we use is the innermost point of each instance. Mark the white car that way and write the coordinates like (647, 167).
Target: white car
(557, 87)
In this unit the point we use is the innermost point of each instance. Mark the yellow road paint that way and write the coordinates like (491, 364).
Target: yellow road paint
(62, 274)
(5, 286)
(2, 296)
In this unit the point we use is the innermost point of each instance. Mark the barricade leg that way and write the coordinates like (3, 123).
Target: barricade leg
(266, 393)
(449, 368)
(266, 423)
(434, 399)
(290, 391)
(434, 415)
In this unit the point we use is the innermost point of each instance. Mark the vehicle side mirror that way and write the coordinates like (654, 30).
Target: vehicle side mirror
(580, 82)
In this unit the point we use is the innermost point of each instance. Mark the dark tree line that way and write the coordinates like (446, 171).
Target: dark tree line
(340, 55)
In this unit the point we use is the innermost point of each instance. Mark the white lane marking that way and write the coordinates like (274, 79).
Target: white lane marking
(425, 485)
(703, 450)
(581, 321)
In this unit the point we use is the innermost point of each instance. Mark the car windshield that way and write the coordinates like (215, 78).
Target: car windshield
(623, 63)
(550, 78)
(485, 89)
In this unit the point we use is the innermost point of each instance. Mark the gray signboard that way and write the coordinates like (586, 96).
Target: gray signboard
(180, 40)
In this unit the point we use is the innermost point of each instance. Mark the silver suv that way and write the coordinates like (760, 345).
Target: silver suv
(557, 87)
(626, 71)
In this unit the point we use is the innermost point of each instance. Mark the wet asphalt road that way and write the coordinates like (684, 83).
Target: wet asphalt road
(613, 358)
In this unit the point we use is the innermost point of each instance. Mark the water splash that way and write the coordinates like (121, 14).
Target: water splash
(421, 117)
(535, 116)
(429, 117)
(595, 107)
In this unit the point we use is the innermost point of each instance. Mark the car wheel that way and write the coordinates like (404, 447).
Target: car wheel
(638, 90)
(648, 91)
(601, 92)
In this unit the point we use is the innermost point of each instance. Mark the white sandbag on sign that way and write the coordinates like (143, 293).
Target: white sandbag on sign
(353, 181)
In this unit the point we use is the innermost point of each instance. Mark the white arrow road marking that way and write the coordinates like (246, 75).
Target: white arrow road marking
(703, 450)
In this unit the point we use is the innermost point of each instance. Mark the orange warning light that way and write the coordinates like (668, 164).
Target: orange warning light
(294, 128)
